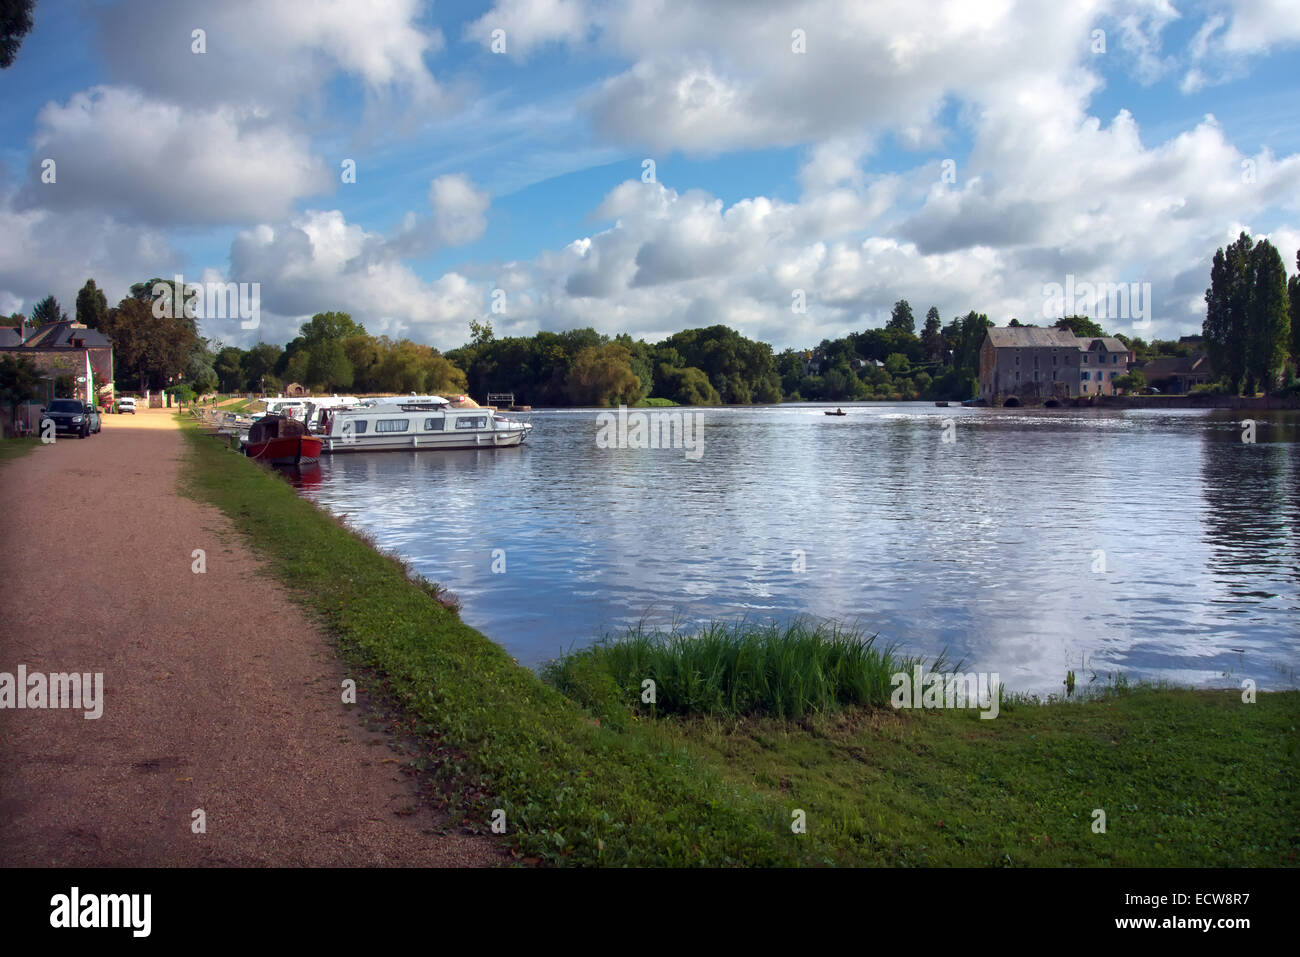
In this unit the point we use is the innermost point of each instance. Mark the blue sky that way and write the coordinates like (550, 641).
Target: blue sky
(775, 170)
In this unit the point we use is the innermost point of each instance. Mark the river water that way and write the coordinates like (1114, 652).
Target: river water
(1023, 542)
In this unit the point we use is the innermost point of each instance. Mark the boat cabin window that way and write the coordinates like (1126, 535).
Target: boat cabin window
(433, 425)
(355, 426)
(471, 422)
(392, 425)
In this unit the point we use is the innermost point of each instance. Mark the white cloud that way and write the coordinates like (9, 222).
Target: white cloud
(119, 151)
(529, 24)
(268, 51)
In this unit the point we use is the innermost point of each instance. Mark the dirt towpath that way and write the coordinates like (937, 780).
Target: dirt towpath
(219, 694)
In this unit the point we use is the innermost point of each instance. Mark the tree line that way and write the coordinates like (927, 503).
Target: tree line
(1248, 333)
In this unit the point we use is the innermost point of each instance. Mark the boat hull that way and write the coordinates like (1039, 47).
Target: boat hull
(498, 439)
(289, 450)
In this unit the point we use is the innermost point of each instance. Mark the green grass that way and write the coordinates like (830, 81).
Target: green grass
(786, 670)
(573, 790)
(15, 448)
(655, 403)
(713, 774)
(1184, 778)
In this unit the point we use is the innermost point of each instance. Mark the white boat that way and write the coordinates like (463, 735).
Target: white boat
(420, 422)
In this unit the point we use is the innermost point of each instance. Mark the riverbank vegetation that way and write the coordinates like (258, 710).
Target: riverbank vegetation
(1184, 778)
(1250, 333)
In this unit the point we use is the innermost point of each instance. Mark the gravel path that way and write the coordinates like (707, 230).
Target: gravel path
(219, 693)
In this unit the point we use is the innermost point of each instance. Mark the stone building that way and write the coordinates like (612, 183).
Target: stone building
(1025, 364)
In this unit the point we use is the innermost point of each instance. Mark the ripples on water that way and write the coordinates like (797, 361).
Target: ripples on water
(989, 547)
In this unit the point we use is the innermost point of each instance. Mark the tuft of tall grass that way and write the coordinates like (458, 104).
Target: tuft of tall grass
(786, 670)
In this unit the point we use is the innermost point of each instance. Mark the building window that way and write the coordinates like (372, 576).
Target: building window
(1085, 358)
(392, 425)
(1085, 388)
(1114, 359)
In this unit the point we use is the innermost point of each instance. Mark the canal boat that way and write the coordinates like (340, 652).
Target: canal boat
(421, 423)
(836, 412)
(281, 440)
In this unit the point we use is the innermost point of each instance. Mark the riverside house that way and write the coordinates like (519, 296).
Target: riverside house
(1026, 364)
(84, 357)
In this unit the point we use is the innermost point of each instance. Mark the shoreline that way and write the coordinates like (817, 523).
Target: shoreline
(720, 790)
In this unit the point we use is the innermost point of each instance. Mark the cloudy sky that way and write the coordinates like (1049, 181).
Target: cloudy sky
(643, 167)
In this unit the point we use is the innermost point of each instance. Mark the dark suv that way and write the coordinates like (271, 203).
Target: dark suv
(69, 417)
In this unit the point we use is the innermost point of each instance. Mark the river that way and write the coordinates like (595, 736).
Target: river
(1154, 543)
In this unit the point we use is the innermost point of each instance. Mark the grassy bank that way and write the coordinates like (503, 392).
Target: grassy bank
(752, 728)
(14, 448)
(572, 790)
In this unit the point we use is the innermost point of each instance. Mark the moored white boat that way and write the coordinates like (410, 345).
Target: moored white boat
(426, 422)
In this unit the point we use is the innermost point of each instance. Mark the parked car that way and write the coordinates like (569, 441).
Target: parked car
(126, 404)
(93, 414)
(69, 417)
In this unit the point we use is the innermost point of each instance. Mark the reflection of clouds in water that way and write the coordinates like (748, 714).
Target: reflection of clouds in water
(984, 546)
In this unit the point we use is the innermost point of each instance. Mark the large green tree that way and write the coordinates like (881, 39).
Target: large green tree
(229, 367)
(48, 310)
(92, 306)
(152, 350)
(19, 382)
(258, 363)
(1268, 317)
(602, 375)
(1082, 326)
(328, 365)
(901, 318)
(1227, 304)
(1293, 294)
(15, 23)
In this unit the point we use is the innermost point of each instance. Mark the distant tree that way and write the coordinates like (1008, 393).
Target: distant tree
(1293, 294)
(936, 350)
(1081, 326)
(329, 325)
(258, 365)
(901, 318)
(15, 23)
(1133, 381)
(602, 375)
(19, 382)
(1268, 317)
(364, 355)
(480, 333)
(229, 367)
(199, 371)
(149, 349)
(328, 365)
(689, 386)
(1227, 303)
(48, 310)
(92, 306)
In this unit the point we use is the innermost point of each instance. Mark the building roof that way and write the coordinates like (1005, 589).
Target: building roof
(1104, 343)
(59, 335)
(1021, 337)
(9, 336)
(1162, 367)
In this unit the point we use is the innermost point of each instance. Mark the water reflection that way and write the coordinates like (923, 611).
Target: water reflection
(1141, 541)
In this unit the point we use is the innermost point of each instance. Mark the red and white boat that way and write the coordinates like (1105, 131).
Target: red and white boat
(281, 440)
